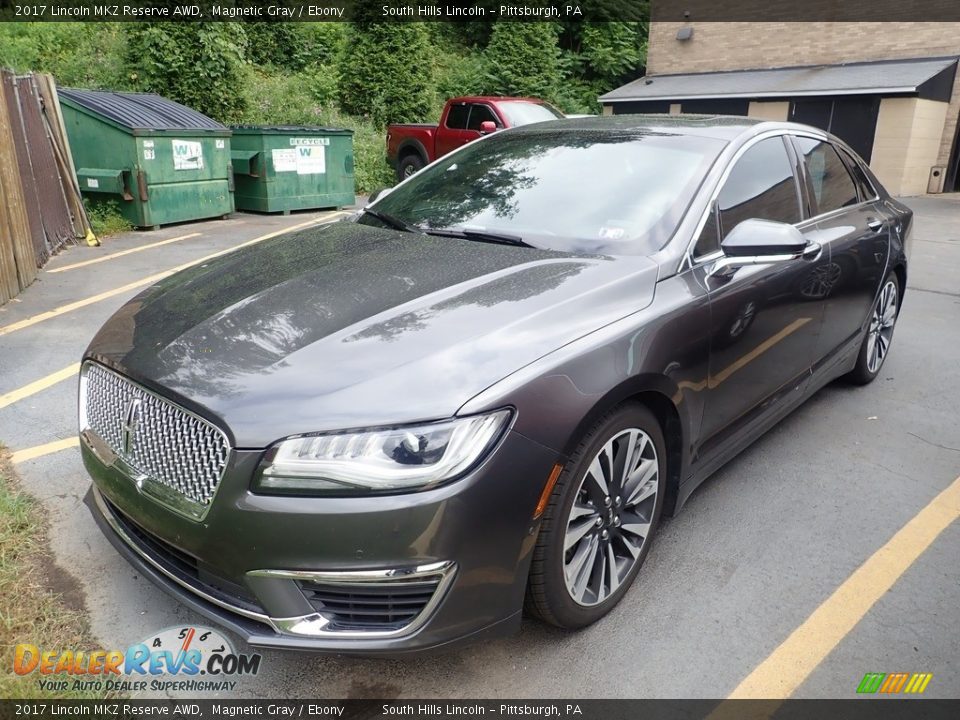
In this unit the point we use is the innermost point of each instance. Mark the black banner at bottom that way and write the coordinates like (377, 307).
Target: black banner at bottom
(855, 709)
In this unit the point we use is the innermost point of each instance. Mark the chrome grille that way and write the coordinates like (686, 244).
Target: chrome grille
(168, 444)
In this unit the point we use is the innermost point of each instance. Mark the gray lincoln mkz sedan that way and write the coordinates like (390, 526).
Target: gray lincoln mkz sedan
(481, 393)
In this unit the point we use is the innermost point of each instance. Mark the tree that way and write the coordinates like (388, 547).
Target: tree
(385, 72)
(523, 58)
(197, 64)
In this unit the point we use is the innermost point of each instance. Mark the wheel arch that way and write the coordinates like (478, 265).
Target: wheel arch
(409, 147)
(659, 394)
(900, 269)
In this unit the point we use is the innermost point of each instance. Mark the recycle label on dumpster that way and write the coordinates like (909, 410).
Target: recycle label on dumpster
(311, 160)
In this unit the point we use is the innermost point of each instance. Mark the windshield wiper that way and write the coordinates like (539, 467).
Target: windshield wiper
(480, 235)
(394, 222)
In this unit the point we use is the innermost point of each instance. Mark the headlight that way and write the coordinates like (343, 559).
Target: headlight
(399, 458)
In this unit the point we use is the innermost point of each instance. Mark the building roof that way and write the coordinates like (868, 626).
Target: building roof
(140, 111)
(885, 77)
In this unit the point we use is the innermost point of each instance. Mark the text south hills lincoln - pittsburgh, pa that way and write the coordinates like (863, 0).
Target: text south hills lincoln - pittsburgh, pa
(547, 12)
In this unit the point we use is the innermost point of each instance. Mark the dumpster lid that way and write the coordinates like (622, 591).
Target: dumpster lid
(140, 111)
(288, 130)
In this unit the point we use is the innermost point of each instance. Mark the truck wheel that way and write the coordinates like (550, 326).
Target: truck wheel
(408, 166)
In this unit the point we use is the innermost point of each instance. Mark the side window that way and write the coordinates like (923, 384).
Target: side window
(709, 240)
(480, 114)
(833, 187)
(867, 191)
(457, 117)
(761, 185)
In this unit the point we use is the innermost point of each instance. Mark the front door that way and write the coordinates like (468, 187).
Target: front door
(764, 329)
(454, 132)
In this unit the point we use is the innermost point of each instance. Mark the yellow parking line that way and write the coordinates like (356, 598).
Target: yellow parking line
(47, 449)
(786, 668)
(140, 248)
(149, 280)
(38, 385)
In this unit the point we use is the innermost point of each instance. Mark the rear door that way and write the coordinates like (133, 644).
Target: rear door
(855, 226)
(764, 330)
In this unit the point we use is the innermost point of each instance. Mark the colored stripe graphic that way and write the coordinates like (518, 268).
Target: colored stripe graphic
(918, 683)
(893, 683)
(871, 682)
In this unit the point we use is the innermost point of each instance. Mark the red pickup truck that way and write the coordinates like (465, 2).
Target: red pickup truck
(410, 146)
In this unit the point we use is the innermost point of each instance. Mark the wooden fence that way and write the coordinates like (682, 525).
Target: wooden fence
(40, 205)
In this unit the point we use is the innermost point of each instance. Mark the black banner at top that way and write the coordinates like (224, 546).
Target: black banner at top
(685, 11)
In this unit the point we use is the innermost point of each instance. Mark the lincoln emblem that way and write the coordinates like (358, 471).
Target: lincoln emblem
(131, 419)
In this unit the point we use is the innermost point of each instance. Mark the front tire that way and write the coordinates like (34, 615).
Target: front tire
(879, 336)
(600, 520)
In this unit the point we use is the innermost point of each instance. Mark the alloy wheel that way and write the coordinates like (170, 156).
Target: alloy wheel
(880, 333)
(611, 517)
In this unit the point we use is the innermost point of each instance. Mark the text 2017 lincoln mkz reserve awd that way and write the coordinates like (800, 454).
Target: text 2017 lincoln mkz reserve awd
(481, 394)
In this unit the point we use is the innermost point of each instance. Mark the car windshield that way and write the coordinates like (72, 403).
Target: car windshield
(522, 112)
(609, 192)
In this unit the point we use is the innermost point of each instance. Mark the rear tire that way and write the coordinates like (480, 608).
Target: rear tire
(879, 336)
(409, 164)
(595, 535)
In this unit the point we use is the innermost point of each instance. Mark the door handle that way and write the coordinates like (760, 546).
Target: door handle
(875, 224)
(811, 251)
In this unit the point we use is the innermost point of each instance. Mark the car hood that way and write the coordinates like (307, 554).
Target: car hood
(350, 326)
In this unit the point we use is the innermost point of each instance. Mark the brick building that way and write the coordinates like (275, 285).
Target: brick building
(890, 90)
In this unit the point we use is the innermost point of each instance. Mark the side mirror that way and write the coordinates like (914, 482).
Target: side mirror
(487, 126)
(379, 193)
(759, 242)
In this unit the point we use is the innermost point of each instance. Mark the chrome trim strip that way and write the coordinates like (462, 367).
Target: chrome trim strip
(313, 624)
(358, 576)
(133, 545)
(689, 261)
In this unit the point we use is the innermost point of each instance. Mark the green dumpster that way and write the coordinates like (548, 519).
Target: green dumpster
(161, 161)
(284, 168)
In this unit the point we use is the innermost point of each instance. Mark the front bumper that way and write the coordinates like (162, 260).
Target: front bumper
(254, 562)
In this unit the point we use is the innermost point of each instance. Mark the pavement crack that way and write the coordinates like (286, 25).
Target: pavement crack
(930, 442)
(935, 292)
(893, 472)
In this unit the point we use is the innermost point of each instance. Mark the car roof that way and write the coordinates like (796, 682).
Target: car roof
(496, 99)
(721, 127)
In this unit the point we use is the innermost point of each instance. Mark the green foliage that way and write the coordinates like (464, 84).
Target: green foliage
(359, 75)
(385, 72)
(523, 59)
(598, 57)
(306, 99)
(458, 73)
(76, 54)
(105, 217)
(294, 46)
(197, 64)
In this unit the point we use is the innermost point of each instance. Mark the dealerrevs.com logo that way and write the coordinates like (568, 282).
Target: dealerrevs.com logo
(187, 659)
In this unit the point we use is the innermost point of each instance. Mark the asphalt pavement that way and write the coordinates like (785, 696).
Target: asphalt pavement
(758, 550)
